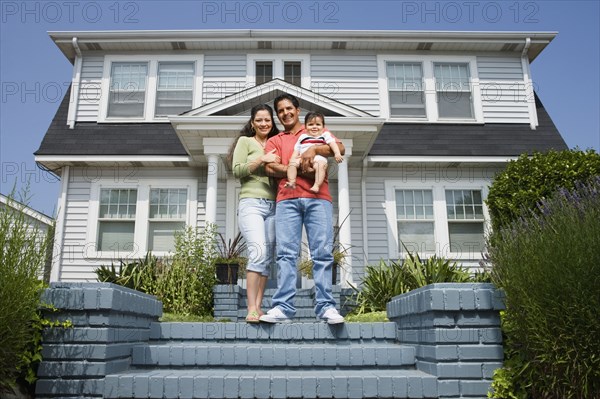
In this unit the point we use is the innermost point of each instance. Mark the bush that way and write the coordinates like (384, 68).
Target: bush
(385, 281)
(548, 264)
(22, 258)
(529, 179)
(183, 283)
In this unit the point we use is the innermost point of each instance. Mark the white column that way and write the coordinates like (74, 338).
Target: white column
(345, 233)
(211, 188)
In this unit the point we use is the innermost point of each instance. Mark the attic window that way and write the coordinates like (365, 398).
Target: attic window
(264, 72)
(174, 93)
(93, 46)
(292, 72)
(178, 45)
(509, 47)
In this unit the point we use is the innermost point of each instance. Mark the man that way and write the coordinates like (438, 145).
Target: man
(295, 207)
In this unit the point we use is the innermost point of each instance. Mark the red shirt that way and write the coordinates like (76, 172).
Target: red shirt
(284, 144)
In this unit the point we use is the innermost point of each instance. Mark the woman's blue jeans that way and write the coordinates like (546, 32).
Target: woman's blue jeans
(256, 220)
(317, 217)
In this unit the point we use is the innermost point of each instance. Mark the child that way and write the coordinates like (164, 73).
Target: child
(315, 134)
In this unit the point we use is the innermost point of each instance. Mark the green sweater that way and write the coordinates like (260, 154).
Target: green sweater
(256, 184)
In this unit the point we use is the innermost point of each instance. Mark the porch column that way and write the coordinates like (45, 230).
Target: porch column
(213, 149)
(345, 233)
(212, 180)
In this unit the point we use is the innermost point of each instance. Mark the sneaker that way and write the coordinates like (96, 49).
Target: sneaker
(331, 316)
(275, 315)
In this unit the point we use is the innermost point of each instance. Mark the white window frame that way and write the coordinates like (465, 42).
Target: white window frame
(278, 71)
(441, 234)
(151, 84)
(142, 214)
(431, 109)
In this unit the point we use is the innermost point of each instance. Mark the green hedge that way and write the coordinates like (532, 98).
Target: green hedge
(548, 264)
(531, 178)
(22, 258)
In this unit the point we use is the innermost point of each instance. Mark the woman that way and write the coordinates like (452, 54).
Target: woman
(256, 209)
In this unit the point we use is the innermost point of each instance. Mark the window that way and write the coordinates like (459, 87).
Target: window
(128, 220)
(292, 72)
(292, 68)
(465, 220)
(127, 89)
(453, 90)
(430, 218)
(405, 84)
(264, 72)
(174, 93)
(431, 88)
(414, 214)
(149, 87)
(116, 219)
(168, 210)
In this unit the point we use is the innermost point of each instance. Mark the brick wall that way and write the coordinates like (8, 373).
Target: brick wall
(455, 329)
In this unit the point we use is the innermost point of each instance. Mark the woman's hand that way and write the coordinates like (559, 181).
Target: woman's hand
(270, 157)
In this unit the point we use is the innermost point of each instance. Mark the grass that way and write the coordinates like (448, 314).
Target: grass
(371, 317)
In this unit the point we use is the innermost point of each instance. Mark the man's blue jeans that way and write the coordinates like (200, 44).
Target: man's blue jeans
(317, 217)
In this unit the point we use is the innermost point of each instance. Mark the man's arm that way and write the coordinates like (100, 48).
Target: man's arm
(322, 149)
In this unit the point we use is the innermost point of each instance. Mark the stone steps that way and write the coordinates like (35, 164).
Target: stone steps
(240, 383)
(240, 360)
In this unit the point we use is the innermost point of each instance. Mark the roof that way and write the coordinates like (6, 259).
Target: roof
(491, 139)
(108, 139)
(19, 206)
(247, 40)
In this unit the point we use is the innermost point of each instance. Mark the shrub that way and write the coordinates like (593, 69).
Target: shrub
(385, 281)
(548, 264)
(22, 257)
(183, 283)
(529, 179)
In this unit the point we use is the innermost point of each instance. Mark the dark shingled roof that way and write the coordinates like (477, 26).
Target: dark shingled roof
(394, 139)
(491, 139)
(108, 139)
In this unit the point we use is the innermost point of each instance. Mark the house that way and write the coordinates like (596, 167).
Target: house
(36, 222)
(427, 118)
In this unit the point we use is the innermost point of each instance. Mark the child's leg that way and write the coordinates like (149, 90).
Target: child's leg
(320, 170)
(292, 172)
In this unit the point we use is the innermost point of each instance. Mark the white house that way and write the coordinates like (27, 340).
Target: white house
(427, 118)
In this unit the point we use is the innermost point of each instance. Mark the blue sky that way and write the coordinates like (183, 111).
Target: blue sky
(34, 74)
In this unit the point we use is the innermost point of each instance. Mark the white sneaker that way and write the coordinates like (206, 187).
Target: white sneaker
(331, 316)
(275, 315)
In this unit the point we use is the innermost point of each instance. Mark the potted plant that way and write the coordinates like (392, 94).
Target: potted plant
(230, 262)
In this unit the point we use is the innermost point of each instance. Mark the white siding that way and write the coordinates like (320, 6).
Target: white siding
(89, 89)
(350, 79)
(377, 221)
(78, 263)
(224, 75)
(503, 90)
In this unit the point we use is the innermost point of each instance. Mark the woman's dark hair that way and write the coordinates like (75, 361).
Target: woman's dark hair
(312, 115)
(248, 131)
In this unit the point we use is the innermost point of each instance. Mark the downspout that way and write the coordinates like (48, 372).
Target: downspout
(76, 82)
(529, 93)
(365, 230)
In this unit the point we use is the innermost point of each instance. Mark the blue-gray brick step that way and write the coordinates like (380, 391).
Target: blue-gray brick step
(240, 360)
(236, 383)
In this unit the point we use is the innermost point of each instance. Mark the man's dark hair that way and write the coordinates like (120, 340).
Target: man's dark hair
(286, 96)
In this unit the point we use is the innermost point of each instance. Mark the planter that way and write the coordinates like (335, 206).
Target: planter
(227, 273)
